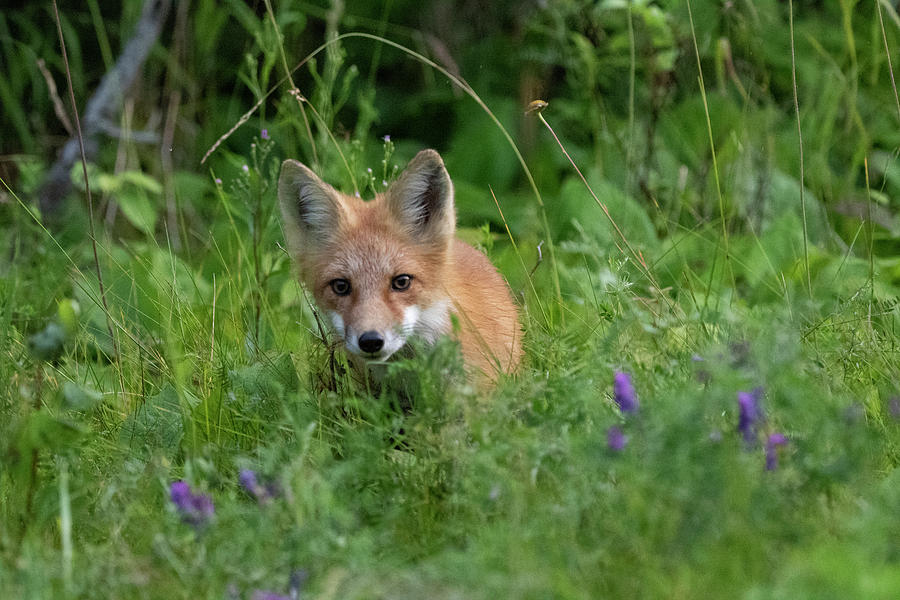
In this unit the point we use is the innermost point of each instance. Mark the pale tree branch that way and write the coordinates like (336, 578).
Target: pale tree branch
(104, 104)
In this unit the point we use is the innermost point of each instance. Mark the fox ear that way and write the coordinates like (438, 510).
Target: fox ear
(422, 198)
(309, 207)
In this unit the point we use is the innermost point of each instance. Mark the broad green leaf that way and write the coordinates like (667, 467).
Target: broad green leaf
(78, 397)
(142, 180)
(138, 209)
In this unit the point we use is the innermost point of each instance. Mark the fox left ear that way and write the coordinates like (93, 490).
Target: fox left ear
(311, 209)
(422, 198)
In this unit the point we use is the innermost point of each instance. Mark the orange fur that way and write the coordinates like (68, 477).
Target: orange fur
(370, 247)
(490, 333)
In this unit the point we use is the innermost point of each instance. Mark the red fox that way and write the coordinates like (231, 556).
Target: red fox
(391, 268)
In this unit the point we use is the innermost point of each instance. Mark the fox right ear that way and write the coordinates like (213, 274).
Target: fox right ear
(422, 199)
(309, 206)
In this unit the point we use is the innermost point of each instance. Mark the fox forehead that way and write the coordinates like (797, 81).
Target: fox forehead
(369, 246)
(364, 255)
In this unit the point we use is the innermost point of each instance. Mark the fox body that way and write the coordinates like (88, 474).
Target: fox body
(391, 268)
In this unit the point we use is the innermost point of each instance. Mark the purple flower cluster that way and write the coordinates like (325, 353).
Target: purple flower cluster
(627, 401)
(250, 482)
(749, 414)
(772, 443)
(623, 392)
(750, 419)
(616, 438)
(195, 509)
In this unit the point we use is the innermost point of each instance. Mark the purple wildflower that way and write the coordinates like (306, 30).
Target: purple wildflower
(616, 438)
(218, 181)
(387, 138)
(623, 392)
(749, 414)
(894, 407)
(772, 443)
(264, 134)
(195, 509)
(249, 482)
(247, 478)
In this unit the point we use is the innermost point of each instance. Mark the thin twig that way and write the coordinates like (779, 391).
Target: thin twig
(58, 106)
(171, 121)
(87, 185)
(540, 258)
(105, 101)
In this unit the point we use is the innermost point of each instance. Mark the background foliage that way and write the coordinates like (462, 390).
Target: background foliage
(746, 259)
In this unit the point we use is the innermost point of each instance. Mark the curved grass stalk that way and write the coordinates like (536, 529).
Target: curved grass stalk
(638, 257)
(515, 246)
(287, 71)
(459, 83)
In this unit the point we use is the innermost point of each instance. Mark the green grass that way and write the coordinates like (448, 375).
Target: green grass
(682, 256)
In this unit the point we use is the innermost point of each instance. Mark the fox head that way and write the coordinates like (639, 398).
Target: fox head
(375, 268)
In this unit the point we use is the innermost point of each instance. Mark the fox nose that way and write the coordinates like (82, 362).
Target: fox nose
(370, 342)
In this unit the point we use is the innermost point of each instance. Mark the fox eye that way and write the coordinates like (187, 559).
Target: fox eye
(341, 287)
(401, 283)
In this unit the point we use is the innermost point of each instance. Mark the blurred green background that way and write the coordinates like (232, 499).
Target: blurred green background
(623, 83)
(740, 259)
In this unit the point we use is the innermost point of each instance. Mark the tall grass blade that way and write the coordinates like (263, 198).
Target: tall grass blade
(800, 148)
(887, 53)
(712, 149)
